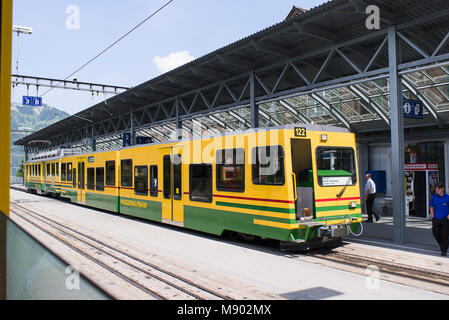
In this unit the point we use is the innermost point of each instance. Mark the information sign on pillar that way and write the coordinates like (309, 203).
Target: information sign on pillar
(412, 108)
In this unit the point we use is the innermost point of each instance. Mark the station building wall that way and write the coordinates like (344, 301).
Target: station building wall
(377, 156)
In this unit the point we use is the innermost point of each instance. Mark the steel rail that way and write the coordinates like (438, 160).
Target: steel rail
(78, 235)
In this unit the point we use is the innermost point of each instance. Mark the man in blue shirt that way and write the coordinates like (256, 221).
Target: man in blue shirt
(439, 210)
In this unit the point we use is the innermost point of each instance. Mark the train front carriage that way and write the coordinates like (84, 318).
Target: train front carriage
(326, 185)
(296, 184)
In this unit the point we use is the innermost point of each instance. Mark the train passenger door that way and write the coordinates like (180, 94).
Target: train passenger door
(81, 194)
(303, 176)
(172, 207)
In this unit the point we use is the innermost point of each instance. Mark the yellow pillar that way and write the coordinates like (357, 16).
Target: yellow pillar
(5, 102)
(5, 129)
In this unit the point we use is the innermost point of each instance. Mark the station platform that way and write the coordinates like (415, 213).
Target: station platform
(197, 256)
(418, 232)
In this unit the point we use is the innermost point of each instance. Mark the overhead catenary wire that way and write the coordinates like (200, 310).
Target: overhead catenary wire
(110, 46)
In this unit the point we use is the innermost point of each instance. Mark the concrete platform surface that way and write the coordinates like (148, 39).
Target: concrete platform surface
(260, 265)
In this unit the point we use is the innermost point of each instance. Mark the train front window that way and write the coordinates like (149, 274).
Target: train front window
(336, 167)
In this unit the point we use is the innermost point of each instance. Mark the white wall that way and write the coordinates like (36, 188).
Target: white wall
(380, 159)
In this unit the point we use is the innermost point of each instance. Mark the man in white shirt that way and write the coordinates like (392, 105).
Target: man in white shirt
(370, 195)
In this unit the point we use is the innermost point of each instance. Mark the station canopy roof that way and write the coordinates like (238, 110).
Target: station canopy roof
(322, 66)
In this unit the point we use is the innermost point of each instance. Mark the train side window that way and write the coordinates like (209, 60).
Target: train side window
(91, 178)
(53, 170)
(57, 169)
(167, 177)
(69, 171)
(63, 172)
(39, 170)
(32, 169)
(99, 179)
(126, 173)
(268, 165)
(74, 177)
(48, 170)
(201, 182)
(153, 181)
(177, 177)
(110, 173)
(231, 170)
(141, 180)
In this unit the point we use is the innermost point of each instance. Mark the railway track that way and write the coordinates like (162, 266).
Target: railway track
(390, 270)
(153, 280)
(388, 267)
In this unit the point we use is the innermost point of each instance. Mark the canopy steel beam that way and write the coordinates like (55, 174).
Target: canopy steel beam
(397, 139)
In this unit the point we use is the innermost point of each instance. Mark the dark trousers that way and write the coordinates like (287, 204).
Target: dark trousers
(440, 230)
(369, 206)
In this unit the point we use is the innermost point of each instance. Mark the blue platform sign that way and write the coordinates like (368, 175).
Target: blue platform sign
(32, 101)
(412, 109)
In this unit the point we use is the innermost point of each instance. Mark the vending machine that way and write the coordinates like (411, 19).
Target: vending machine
(420, 182)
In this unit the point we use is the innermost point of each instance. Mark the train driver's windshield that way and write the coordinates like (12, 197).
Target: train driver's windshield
(336, 167)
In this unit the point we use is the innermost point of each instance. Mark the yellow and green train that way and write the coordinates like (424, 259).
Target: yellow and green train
(296, 184)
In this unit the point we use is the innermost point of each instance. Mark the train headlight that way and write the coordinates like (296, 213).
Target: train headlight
(353, 205)
(324, 137)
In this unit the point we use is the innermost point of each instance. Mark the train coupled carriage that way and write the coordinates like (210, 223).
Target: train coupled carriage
(297, 184)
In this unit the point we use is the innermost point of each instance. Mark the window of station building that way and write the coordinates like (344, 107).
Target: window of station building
(141, 180)
(231, 170)
(99, 179)
(153, 181)
(110, 173)
(91, 178)
(69, 171)
(268, 165)
(126, 173)
(201, 182)
(63, 172)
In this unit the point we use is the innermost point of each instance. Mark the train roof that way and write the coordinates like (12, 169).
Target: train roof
(61, 153)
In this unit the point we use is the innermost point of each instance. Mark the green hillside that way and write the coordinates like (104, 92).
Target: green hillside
(33, 119)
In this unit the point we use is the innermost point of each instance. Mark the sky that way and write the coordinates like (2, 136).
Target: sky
(67, 34)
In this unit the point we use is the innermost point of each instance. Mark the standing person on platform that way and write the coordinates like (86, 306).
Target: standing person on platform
(370, 195)
(439, 210)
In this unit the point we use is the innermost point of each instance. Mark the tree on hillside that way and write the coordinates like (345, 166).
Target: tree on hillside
(20, 170)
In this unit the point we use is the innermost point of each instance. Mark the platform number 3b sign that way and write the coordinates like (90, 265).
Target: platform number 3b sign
(413, 109)
(32, 101)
